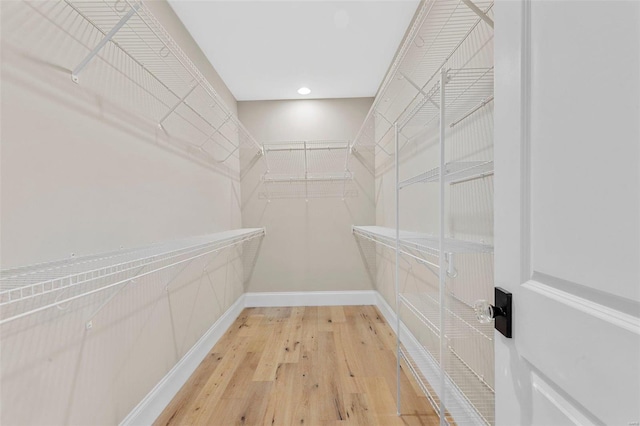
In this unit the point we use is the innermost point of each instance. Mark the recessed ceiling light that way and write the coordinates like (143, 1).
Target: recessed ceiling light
(304, 90)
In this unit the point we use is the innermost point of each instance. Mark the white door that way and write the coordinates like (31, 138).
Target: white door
(567, 221)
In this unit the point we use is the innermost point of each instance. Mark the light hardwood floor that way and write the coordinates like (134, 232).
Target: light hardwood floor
(300, 366)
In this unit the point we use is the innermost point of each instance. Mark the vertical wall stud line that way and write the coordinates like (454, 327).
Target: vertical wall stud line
(76, 71)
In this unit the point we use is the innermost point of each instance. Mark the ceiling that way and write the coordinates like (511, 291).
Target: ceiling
(269, 49)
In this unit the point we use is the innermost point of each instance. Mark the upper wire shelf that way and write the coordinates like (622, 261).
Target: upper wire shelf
(299, 161)
(455, 172)
(177, 96)
(439, 36)
(29, 289)
(466, 90)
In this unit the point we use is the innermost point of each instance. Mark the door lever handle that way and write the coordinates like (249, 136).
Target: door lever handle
(500, 312)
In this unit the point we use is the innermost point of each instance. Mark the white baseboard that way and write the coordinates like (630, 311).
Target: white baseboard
(152, 405)
(311, 298)
(386, 310)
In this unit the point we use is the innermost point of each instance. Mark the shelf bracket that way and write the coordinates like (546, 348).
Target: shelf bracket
(76, 71)
(346, 169)
(217, 129)
(385, 119)
(478, 12)
(473, 110)
(305, 160)
(216, 160)
(89, 323)
(419, 89)
(173, 108)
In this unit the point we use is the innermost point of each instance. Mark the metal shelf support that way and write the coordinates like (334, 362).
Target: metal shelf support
(173, 108)
(76, 71)
(478, 12)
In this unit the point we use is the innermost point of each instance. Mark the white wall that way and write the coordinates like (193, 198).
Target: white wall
(81, 173)
(309, 245)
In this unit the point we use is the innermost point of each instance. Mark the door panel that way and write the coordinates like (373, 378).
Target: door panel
(579, 345)
(584, 143)
(567, 203)
(551, 408)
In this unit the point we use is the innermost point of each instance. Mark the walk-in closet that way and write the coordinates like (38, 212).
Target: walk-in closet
(413, 212)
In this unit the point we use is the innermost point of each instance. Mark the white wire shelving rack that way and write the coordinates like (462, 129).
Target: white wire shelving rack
(440, 82)
(307, 169)
(135, 49)
(27, 290)
(440, 28)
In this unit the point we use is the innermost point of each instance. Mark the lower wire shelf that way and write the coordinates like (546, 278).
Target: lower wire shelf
(30, 289)
(469, 398)
(418, 375)
(472, 405)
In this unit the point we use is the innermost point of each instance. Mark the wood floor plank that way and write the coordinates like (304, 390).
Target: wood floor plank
(250, 326)
(310, 329)
(348, 361)
(336, 313)
(293, 338)
(317, 366)
(203, 403)
(325, 322)
(259, 340)
(270, 357)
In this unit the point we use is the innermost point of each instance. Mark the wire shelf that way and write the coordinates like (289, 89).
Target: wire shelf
(462, 379)
(177, 96)
(471, 386)
(35, 288)
(386, 237)
(465, 89)
(296, 161)
(442, 30)
(308, 189)
(460, 319)
(421, 242)
(416, 368)
(454, 172)
(308, 169)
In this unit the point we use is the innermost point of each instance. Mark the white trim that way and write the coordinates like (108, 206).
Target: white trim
(567, 409)
(612, 316)
(385, 309)
(152, 405)
(311, 298)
